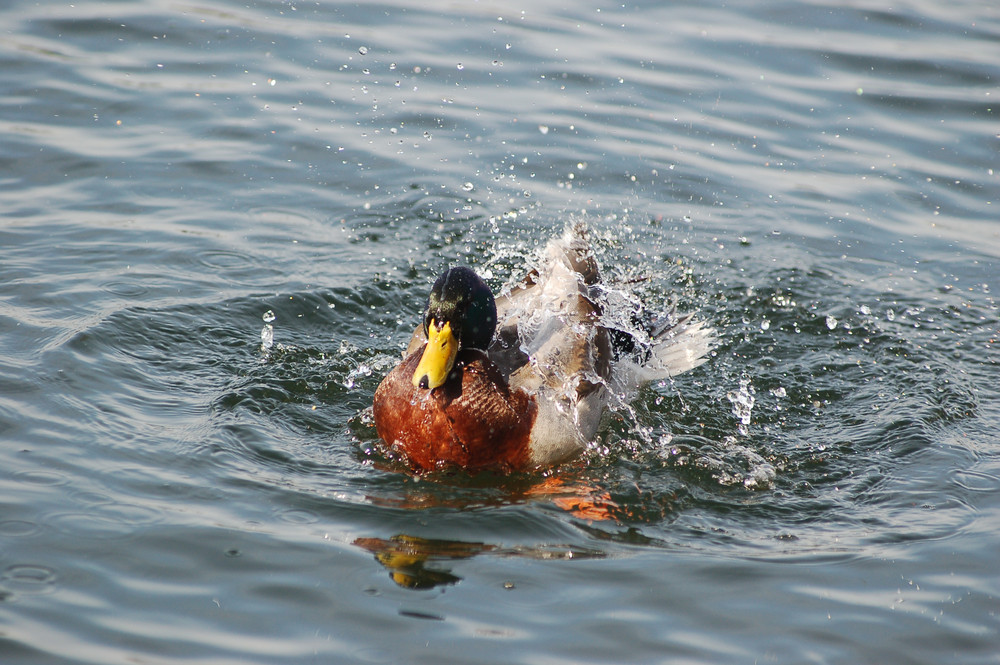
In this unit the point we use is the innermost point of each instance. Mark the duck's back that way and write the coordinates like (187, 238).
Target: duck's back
(551, 344)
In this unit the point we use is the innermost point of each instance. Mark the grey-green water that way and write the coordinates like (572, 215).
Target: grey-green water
(817, 179)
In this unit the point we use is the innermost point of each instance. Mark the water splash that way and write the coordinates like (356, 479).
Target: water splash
(267, 332)
(743, 400)
(362, 370)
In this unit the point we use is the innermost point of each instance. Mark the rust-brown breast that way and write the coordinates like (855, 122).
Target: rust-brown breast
(473, 421)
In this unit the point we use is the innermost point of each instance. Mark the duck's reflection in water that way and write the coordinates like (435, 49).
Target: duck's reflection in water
(415, 563)
(407, 557)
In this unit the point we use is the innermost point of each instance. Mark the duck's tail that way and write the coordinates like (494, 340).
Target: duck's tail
(678, 348)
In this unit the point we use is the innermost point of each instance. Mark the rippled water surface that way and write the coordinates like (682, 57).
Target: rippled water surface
(816, 179)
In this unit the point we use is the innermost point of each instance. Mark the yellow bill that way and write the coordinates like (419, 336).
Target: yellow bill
(438, 357)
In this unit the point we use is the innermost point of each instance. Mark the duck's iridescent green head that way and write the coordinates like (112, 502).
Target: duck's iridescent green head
(461, 314)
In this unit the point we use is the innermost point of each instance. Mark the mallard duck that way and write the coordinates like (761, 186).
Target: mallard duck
(521, 381)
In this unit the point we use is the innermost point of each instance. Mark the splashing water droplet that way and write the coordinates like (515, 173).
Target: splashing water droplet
(363, 50)
(742, 400)
(831, 322)
(354, 374)
(267, 332)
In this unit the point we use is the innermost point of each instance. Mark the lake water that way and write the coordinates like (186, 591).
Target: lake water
(816, 179)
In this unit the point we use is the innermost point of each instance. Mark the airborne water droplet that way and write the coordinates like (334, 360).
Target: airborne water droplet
(742, 400)
(267, 332)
